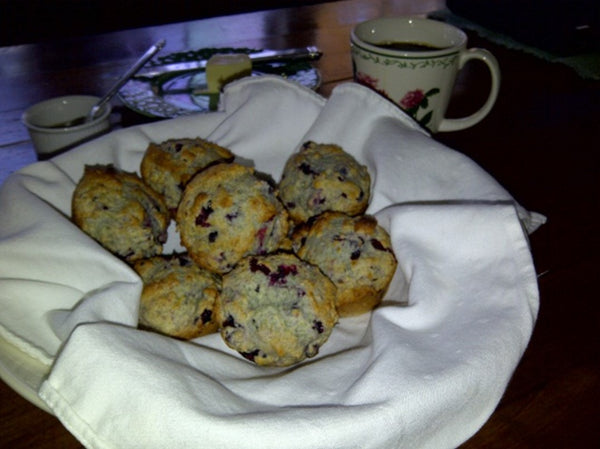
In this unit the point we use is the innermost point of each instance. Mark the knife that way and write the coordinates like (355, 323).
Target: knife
(290, 54)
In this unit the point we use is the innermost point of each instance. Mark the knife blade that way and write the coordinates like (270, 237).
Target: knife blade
(290, 54)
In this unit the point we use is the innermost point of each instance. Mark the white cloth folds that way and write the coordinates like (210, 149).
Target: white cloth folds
(424, 370)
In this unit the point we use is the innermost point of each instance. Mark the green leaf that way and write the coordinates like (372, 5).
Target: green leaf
(424, 104)
(431, 92)
(426, 118)
(412, 111)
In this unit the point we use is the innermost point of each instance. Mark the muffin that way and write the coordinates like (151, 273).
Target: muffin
(119, 211)
(323, 177)
(179, 298)
(228, 212)
(276, 310)
(168, 166)
(355, 253)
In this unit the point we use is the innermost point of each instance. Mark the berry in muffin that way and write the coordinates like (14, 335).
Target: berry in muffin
(168, 166)
(323, 177)
(179, 298)
(355, 253)
(119, 211)
(228, 212)
(276, 310)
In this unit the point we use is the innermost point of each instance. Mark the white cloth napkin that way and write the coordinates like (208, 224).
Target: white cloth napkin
(425, 370)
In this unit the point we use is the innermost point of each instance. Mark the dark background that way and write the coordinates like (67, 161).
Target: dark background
(552, 25)
(560, 27)
(28, 21)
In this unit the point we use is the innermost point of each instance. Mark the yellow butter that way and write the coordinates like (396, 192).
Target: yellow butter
(224, 68)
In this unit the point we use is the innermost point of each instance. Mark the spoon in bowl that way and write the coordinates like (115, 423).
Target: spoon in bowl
(115, 88)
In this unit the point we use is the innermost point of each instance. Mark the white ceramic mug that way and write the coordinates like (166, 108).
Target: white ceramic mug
(414, 62)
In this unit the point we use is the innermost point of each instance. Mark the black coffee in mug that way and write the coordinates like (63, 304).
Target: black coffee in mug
(409, 46)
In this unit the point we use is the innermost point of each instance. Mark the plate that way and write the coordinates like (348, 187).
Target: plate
(172, 95)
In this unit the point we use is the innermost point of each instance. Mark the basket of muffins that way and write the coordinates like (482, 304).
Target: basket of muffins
(269, 265)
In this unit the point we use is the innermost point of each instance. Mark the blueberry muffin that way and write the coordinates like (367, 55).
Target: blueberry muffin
(179, 298)
(323, 177)
(167, 167)
(355, 253)
(119, 211)
(276, 310)
(228, 212)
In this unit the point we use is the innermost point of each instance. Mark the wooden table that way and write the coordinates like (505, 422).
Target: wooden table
(540, 142)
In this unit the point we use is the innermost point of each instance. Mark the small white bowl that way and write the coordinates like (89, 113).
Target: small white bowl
(42, 119)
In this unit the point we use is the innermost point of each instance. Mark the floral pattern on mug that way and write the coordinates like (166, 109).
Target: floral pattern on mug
(410, 103)
(412, 99)
(369, 81)
(416, 99)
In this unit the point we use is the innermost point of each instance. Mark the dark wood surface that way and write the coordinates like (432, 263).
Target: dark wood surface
(540, 142)
(32, 21)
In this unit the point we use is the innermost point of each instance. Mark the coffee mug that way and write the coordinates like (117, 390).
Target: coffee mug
(414, 63)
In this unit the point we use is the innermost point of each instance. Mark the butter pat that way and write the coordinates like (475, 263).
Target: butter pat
(224, 68)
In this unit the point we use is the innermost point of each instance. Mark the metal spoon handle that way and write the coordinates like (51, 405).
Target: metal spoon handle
(132, 71)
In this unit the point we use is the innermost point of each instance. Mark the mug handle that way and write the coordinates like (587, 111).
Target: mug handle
(456, 124)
